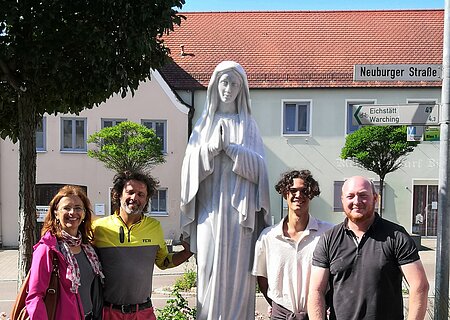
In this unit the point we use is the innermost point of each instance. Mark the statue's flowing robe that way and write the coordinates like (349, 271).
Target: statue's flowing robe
(224, 206)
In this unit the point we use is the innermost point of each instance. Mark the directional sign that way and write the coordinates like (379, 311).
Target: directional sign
(396, 115)
(432, 134)
(397, 72)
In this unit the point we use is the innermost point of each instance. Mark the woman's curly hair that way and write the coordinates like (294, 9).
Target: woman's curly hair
(287, 180)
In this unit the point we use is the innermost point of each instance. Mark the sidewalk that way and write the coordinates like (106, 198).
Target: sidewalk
(8, 279)
(163, 279)
(428, 256)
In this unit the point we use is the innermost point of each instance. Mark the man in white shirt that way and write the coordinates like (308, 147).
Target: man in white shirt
(284, 252)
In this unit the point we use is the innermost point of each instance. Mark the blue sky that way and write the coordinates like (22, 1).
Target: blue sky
(280, 5)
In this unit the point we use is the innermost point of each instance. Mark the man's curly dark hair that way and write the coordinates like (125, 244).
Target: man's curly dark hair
(121, 178)
(287, 180)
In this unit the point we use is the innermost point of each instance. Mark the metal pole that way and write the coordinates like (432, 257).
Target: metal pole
(443, 244)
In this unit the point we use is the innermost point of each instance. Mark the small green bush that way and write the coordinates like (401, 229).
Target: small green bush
(187, 281)
(177, 308)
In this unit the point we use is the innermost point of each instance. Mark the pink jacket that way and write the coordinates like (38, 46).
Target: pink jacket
(69, 304)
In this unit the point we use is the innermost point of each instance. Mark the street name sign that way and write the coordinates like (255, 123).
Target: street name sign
(397, 72)
(397, 115)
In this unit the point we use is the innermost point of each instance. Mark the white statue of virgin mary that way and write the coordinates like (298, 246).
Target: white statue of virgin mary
(225, 197)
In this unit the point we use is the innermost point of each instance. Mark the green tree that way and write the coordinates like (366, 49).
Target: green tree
(127, 146)
(63, 56)
(380, 149)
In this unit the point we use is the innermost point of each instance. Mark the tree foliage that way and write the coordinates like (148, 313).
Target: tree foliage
(70, 55)
(380, 149)
(127, 146)
(64, 56)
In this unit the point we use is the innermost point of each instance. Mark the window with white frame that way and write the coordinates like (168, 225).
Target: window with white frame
(349, 111)
(296, 117)
(160, 128)
(106, 123)
(337, 203)
(41, 143)
(159, 202)
(73, 134)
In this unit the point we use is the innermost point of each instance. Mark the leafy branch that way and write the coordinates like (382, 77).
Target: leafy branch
(127, 146)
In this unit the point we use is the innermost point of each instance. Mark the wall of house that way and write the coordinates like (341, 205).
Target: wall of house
(152, 101)
(9, 189)
(320, 150)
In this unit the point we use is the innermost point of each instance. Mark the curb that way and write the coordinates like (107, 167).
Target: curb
(167, 291)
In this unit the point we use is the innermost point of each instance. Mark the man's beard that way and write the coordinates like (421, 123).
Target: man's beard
(128, 210)
(355, 218)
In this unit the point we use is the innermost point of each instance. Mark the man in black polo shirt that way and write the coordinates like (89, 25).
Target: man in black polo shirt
(362, 261)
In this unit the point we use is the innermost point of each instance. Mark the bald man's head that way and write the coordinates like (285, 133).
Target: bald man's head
(358, 199)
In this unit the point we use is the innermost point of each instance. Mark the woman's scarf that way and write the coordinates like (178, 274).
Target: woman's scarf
(73, 270)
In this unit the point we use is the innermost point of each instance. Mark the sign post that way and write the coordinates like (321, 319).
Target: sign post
(443, 227)
(421, 116)
(413, 114)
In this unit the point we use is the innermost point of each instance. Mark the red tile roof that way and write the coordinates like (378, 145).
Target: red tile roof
(296, 49)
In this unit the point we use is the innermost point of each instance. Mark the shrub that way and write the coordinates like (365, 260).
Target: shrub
(177, 308)
(187, 281)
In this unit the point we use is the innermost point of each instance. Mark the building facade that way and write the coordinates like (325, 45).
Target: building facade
(62, 156)
(300, 70)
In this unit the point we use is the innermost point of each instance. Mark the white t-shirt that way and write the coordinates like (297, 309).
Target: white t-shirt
(287, 264)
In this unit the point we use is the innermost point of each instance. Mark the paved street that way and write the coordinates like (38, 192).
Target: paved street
(163, 280)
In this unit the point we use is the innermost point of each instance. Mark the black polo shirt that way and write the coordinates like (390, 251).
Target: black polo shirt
(366, 279)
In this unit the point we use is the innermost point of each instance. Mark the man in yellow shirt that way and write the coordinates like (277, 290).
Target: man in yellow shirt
(129, 245)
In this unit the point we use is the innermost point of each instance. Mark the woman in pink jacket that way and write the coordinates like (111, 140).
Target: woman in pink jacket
(67, 234)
